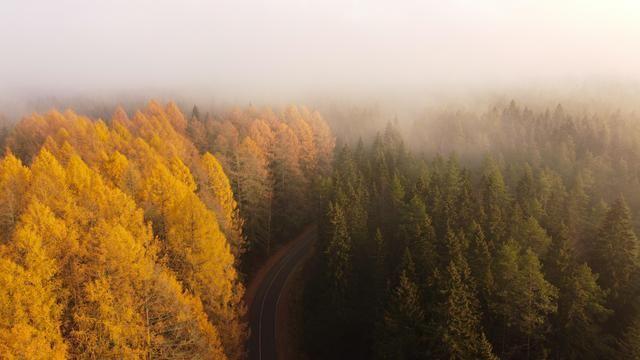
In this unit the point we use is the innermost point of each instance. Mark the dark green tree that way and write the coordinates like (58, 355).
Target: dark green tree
(400, 333)
(629, 348)
(581, 314)
(524, 301)
(494, 199)
(462, 335)
(614, 255)
(480, 261)
(338, 251)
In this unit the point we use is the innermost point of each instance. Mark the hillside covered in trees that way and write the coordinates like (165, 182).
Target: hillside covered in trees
(127, 238)
(506, 234)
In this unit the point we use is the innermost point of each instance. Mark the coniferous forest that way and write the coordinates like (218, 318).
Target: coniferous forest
(507, 234)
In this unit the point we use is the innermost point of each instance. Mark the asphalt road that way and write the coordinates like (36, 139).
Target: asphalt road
(262, 315)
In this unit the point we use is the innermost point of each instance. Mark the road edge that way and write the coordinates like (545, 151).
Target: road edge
(253, 286)
(285, 312)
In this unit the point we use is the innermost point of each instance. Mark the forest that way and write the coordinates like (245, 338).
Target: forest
(502, 233)
(319, 180)
(132, 237)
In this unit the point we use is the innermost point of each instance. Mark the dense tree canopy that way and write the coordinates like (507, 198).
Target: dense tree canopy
(518, 245)
(131, 237)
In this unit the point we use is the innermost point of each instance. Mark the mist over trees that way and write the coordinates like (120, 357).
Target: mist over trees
(517, 242)
(319, 179)
(505, 233)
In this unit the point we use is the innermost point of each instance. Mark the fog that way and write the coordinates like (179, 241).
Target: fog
(287, 50)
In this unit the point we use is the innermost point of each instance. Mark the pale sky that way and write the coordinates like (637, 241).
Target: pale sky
(288, 47)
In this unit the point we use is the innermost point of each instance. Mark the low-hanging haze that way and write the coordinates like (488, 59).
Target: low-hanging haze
(240, 49)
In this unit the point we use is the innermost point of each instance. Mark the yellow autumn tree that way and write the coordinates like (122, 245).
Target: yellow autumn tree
(178, 326)
(324, 141)
(141, 268)
(14, 181)
(30, 306)
(255, 194)
(218, 196)
(304, 134)
(29, 327)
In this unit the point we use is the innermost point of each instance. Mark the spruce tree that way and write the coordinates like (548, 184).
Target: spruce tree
(630, 343)
(615, 253)
(462, 336)
(400, 333)
(494, 198)
(524, 301)
(338, 251)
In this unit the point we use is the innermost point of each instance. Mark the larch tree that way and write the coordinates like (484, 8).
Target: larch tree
(221, 200)
(287, 179)
(30, 308)
(324, 141)
(14, 182)
(308, 150)
(255, 194)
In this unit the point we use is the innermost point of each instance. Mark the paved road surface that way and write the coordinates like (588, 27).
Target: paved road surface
(262, 315)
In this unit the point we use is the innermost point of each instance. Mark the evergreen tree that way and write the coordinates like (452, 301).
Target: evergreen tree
(524, 301)
(494, 197)
(400, 334)
(615, 254)
(462, 335)
(630, 343)
(338, 251)
(581, 314)
(480, 261)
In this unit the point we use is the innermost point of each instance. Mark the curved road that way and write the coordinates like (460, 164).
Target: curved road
(262, 314)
